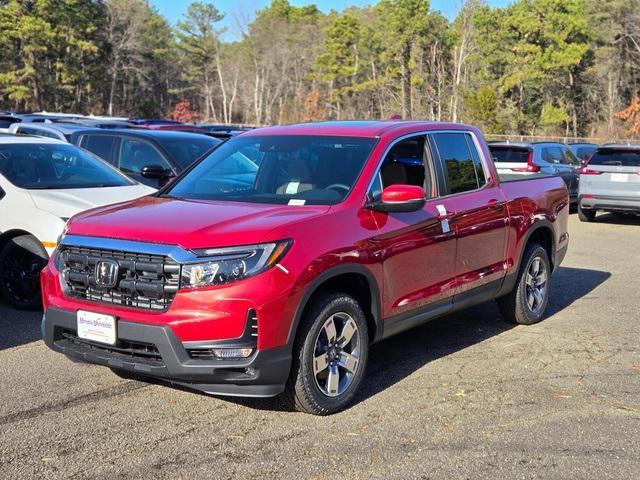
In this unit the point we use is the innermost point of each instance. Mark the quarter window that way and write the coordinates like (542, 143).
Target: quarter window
(459, 165)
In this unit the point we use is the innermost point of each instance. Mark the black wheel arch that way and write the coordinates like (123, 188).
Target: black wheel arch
(332, 280)
(541, 231)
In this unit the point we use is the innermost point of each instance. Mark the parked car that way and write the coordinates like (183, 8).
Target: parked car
(538, 157)
(223, 131)
(58, 131)
(145, 122)
(151, 157)
(43, 182)
(282, 284)
(100, 123)
(610, 181)
(583, 150)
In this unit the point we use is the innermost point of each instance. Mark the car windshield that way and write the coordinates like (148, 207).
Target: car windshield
(509, 154)
(616, 157)
(295, 170)
(39, 166)
(187, 150)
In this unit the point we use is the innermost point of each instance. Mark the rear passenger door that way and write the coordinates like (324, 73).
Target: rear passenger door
(104, 146)
(554, 157)
(477, 213)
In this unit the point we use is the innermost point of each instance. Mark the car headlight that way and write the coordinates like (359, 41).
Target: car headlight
(225, 265)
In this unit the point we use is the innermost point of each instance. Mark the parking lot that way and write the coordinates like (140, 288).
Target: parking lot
(467, 396)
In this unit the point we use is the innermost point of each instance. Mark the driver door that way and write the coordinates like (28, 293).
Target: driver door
(417, 249)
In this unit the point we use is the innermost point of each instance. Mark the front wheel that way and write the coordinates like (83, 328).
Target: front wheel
(528, 300)
(329, 356)
(21, 260)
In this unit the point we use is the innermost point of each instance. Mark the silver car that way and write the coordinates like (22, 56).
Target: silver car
(610, 181)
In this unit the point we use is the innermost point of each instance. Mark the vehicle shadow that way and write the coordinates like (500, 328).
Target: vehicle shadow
(618, 219)
(18, 327)
(394, 359)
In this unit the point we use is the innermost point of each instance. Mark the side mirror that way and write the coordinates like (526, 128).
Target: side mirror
(155, 172)
(400, 198)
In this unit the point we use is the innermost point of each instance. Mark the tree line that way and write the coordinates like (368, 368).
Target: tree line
(535, 67)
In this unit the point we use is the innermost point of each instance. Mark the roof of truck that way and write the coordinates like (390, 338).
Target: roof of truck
(353, 128)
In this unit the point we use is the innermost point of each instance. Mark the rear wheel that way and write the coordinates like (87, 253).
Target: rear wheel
(586, 215)
(329, 356)
(21, 260)
(528, 300)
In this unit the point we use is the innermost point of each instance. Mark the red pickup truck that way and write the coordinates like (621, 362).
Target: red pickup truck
(271, 265)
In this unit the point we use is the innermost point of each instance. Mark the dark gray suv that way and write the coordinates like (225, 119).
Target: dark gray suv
(538, 157)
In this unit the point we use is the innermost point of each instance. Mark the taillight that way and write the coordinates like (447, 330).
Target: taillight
(585, 170)
(530, 168)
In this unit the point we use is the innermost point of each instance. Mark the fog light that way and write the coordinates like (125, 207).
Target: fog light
(232, 352)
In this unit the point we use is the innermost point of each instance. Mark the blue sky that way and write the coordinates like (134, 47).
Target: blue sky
(238, 12)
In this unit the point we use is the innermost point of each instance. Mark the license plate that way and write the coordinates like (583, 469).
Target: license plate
(97, 327)
(619, 177)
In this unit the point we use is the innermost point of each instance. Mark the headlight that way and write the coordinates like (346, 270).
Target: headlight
(225, 265)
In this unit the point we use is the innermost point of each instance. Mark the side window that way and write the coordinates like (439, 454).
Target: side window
(27, 130)
(136, 154)
(101, 145)
(404, 164)
(477, 162)
(552, 155)
(570, 158)
(458, 164)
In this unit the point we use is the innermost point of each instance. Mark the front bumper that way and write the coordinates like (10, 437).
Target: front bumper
(155, 351)
(610, 203)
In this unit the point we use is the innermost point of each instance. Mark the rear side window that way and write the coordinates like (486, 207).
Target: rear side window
(552, 155)
(583, 153)
(616, 157)
(509, 154)
(570, 158)
(102, 145)
(458, 163)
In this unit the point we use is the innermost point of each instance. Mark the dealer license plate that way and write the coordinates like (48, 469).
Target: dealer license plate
(619, 177)
(97, 327)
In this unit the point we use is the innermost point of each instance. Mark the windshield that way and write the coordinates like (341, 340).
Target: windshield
(296, 170)
(616, 157)
(185, 151)
(37, 166)
(509, 154)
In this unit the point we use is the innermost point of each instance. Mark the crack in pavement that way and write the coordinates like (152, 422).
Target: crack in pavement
(98, 395)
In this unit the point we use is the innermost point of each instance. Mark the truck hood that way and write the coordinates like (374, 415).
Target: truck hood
(67, 203)
(189, 223)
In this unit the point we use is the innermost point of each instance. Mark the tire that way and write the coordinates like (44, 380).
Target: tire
(586, 215)
(21, 260)
(312, 386)
(516, 307)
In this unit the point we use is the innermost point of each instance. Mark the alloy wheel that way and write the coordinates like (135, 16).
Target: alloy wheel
(336, 354)
(536, 283)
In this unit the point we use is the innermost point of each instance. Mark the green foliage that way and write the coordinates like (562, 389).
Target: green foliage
(534, 66)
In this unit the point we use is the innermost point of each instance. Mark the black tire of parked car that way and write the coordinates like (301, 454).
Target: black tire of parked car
(21, 260)
(514, 306)
(586, 215)
(303, 392)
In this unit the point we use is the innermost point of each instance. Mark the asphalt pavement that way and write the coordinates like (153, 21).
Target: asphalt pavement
(466, 396)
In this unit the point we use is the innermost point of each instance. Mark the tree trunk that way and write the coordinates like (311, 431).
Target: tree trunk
(406, 82)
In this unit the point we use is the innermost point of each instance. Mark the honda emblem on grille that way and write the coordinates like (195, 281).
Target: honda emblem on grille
(107, 273)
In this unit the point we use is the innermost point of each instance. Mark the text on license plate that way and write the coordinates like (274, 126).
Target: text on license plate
(97, 327)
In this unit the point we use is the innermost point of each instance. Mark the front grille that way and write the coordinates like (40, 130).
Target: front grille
(143, 281)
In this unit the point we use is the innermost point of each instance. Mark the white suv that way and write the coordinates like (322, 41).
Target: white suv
(43, 182)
